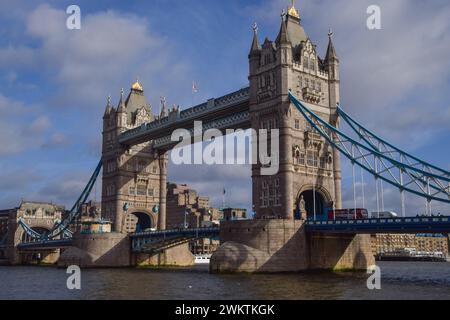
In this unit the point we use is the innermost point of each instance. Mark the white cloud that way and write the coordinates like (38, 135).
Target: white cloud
(109, 51)
(39, 125)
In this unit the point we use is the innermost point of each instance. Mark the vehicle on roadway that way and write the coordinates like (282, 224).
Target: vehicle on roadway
(347, 214)
(383, 214)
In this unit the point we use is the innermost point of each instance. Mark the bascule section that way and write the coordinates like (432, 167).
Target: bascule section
(132, 175)
(307, 163)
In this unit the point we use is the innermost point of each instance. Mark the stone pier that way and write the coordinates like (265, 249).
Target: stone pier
(284, 246)
(114, 250)
(179, 256)
(97, 250)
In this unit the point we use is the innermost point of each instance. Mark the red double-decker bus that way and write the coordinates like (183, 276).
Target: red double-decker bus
(346, 214)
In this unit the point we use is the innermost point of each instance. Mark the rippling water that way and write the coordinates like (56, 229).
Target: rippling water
(400, 280)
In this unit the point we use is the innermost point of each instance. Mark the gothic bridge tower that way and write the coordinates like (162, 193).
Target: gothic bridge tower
(134, 179)
(308, 166)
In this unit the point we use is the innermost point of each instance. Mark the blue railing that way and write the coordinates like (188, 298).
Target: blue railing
(140, 239)
(43, 244)
(175, 232)
(383, 225)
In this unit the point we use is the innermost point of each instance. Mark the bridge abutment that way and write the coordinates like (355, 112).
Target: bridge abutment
(179, 256)
(285, 246)
(98, 250)
(340, 251)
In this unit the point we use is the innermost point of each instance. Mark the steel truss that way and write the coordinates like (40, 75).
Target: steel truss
(380, 158)
(62, 227)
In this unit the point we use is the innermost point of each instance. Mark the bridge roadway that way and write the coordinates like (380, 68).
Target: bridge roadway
(154, 241)
(44, 245)
(228, 112)
(427, 224)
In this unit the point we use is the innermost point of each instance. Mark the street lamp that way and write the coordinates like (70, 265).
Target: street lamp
(185, 214)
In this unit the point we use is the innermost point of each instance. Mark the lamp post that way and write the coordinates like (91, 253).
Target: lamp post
(185, 223)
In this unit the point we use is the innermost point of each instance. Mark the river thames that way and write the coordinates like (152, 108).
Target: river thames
(399, 280)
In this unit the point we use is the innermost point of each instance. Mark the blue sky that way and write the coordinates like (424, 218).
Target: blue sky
(54, 82)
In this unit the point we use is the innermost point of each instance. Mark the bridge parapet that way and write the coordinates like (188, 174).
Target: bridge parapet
(383, 225)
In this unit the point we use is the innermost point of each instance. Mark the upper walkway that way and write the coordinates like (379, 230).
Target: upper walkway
(227, 112)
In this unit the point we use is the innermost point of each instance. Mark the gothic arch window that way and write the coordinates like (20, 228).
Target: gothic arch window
(305, 62)
(323, 163)
(312, 64)
(267, 80)
(141, 166)
(312, 158)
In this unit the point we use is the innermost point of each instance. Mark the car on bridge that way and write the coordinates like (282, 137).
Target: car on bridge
(383, 214)
(347, 214)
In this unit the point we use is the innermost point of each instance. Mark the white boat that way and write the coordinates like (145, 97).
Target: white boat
(202, 258)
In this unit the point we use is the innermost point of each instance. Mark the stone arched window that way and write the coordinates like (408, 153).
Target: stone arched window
(312, 64)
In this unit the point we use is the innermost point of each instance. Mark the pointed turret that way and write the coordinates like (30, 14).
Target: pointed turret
(121, 107)
(163, 108)
(283, 34)
(121, 114)
(331, 52)
(107, 108)
(256, 48)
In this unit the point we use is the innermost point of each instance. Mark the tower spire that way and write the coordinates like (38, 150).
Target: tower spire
(108, 106)
(255, 44)
(283, 36)
(121, 107)
(331, 52)
(163, 107)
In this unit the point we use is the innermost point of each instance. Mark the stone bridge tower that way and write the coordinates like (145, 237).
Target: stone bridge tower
(308, 166)
(133, 178)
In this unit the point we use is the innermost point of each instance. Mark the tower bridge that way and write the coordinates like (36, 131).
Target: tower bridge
(292, 89)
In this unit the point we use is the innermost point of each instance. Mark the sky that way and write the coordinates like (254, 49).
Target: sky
(54, 81)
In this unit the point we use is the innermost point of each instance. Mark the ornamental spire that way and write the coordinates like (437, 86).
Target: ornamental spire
(108, 106)
(331, 52)
(255, 44)
(121, 107)
(292, 11)
(283, 36)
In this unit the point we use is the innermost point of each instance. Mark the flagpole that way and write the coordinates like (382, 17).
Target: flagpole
(193, 92)
(223, 199)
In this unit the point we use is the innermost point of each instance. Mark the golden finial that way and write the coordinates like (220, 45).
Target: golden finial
(137, 86)
(292, 11)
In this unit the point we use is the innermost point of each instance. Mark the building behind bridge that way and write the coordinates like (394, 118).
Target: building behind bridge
(385, 243)
(185, 205)
(39, 216)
